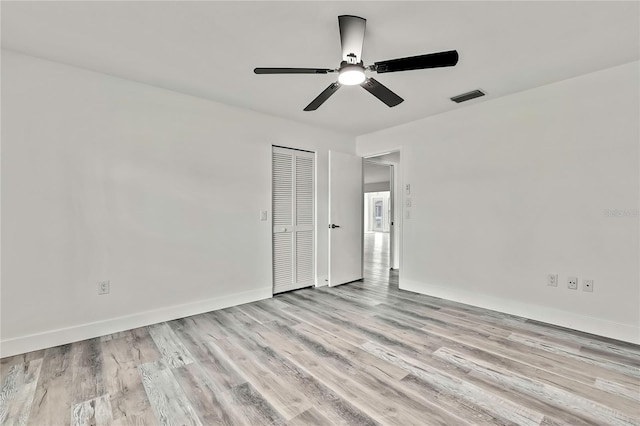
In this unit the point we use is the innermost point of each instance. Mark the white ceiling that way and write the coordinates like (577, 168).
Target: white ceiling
(209, 49)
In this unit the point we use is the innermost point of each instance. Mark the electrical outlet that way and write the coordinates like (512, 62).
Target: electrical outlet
(263, 215)
(572, 283)
(103, 287)
(552, 280)
(587, 285)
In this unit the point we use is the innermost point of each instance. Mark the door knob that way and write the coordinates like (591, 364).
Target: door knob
(332, 226)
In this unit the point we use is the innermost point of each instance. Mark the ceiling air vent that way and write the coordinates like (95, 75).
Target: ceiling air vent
(468, 96)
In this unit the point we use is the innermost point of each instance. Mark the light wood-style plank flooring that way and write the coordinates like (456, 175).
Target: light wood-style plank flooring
(365, 353)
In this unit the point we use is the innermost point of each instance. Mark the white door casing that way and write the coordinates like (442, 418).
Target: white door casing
(345, 218)
(293, 193)
(392, 216)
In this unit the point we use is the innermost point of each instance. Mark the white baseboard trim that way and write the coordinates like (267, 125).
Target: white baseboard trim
(62, 336)
(619, 331)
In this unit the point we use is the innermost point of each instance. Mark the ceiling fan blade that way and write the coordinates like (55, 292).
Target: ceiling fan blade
(351, 36)
(292, 70)
(381, 92)
(431, 60)
(322, 97)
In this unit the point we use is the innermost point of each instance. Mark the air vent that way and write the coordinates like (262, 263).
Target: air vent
(468, 96)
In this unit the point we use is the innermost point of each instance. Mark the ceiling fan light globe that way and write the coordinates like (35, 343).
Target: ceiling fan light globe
(351, 75)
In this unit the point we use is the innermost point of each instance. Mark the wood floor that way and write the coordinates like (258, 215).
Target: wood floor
(361, 354)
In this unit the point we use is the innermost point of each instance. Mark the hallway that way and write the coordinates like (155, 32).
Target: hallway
(376, 261)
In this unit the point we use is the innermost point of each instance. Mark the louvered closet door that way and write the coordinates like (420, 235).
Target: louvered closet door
(293, 219)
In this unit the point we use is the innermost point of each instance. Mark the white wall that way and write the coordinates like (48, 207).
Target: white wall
(158, 192)
(509, 190)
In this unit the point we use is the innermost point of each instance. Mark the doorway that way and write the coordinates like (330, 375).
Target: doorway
(377, 212)
(377, 224)
(381, 214)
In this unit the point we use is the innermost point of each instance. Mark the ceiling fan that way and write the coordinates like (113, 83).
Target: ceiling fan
(352, 71)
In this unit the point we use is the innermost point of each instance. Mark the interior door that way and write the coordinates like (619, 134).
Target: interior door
(345, 218)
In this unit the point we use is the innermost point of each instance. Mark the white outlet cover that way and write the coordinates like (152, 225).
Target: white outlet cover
(572, 283)
(104, 287)
(587, 285)
(552, 280)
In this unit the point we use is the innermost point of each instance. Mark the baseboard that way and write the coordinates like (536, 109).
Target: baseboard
(598, 326)
(51, 338)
